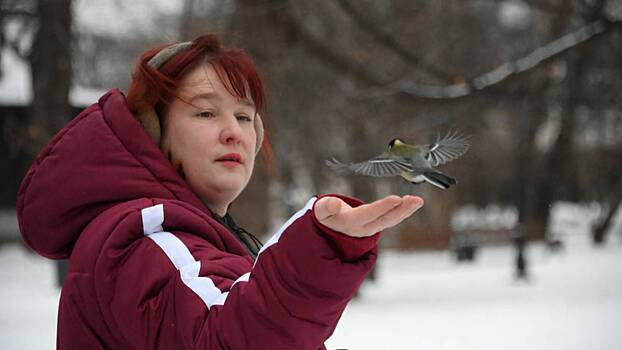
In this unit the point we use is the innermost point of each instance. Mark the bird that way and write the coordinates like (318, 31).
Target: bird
(414, 163)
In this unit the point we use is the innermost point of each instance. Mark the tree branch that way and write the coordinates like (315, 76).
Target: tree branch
(494, 76)
(386, 39)
(327, 54)
(17, 12)
(553, 9)
(410, 88)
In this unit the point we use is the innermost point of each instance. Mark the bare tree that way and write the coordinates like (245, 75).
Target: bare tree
(50, 61)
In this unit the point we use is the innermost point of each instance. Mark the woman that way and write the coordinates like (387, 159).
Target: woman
(136, 194)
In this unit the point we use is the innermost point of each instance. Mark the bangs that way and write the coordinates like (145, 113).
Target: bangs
(238, 75)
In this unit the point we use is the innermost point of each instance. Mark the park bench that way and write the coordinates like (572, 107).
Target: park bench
(473, 228)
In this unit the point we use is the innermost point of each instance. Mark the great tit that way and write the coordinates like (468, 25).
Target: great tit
(414, 163)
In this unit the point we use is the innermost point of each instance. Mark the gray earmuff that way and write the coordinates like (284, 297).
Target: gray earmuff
(157, 61)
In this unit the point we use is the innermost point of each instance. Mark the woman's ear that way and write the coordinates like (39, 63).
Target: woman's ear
(258, 124)
(151, 123)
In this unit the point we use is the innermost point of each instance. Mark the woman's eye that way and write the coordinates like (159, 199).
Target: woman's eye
(244, 118)
(205, 114)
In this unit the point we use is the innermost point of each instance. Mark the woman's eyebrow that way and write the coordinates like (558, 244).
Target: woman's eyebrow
(214, 96)
(246, 102)
(205, 96)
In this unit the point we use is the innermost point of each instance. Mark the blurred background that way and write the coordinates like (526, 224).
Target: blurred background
(534, 225)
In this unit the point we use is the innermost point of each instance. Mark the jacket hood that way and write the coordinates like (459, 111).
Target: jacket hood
(103, 157)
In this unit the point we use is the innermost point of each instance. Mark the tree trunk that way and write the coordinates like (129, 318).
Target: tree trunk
(256, 27)
(601, 229)
(559, 172)
(50, 62)
(526, 174)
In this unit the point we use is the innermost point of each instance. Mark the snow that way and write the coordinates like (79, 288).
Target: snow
(28, 300)
(572, 300)
(112, 18)
(120, 18)
(15, 83)
(577, 218)
(492, 217)
(85, 95)
(514, 14)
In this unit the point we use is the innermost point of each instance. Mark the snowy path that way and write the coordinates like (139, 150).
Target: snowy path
(421, 301)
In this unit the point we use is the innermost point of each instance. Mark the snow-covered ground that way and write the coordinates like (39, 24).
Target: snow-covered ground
(28, 300)
(573, 300)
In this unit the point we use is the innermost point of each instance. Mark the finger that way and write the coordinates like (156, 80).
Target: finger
(411, 205)
(396, 215)
(327, 207)
(389, 220)
(367, 213)
(415, 200)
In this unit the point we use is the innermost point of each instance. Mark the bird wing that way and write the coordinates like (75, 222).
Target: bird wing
(446, 149)
(382, 165)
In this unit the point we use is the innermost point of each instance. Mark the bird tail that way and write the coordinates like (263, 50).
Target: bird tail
(439, 179)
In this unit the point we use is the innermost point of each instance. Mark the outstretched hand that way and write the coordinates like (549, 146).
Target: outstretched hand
(367, 219)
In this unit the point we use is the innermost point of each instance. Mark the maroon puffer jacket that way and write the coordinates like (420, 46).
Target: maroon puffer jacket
(150, 268)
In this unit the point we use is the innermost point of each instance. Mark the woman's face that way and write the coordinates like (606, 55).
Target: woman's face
(211, 141)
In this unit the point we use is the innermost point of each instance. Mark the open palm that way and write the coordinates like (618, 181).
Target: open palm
(366, 219)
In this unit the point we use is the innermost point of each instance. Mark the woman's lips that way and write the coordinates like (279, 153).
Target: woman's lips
(230, 160)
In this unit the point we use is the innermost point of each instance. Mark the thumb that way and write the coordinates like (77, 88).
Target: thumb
(326, 207)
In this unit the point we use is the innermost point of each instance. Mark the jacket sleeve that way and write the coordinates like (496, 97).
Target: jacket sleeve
(162, 296)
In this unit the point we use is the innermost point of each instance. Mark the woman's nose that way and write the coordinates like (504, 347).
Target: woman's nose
(231, 131)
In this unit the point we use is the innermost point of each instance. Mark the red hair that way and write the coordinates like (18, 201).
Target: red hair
(154, 88)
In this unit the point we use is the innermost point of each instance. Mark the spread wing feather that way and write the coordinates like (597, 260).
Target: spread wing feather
(448, 148)
(380, 166)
